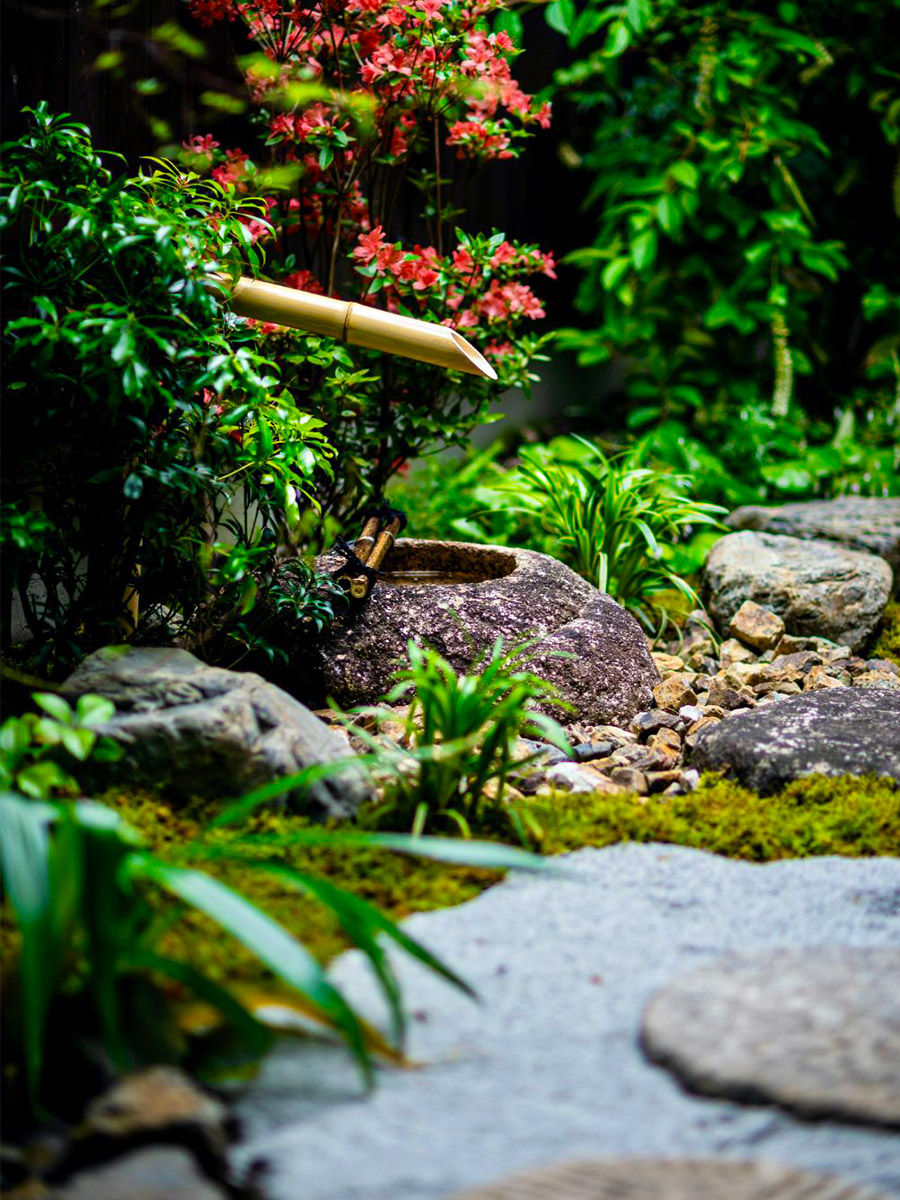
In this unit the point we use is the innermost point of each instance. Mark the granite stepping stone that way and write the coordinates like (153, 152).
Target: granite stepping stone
(669, 1179)
(815, 1031)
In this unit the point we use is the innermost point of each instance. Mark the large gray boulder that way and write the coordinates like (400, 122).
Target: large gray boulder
(201, 731)
(836, 731)
(459, 598)
(819, 589)
(816, 1031)
(870, 524)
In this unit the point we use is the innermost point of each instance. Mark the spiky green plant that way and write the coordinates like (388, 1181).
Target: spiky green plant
(459, 737)
(612, 517)
(83, 889)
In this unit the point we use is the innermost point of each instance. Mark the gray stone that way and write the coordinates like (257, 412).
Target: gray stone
(816, 1031)
(547, 1067)
(860, 523)
(570, 777)
(669, 1179)
(838, 731)
(458, 598)
(200, 731)
(817, 588)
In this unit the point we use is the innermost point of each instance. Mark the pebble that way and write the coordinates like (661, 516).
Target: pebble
(756, 626)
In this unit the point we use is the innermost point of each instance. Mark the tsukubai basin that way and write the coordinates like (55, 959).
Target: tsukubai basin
(459, 597)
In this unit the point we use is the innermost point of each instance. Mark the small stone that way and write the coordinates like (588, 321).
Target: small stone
(662, 781)
(630, 779)
(674, 692)
(794, 666)
(879, 679)
(738, 675)
(602, 784)
(703, 662)
(549, 755)
(571, 777)
(820, 677)
(665, 737)
(627, 756)
(755, 626)
(883, 665)
(667, 662)
(690, 779)
(610, 733)
(690, 713)
(733, 651)
(723, 696)
(592, 750)
(648, 722)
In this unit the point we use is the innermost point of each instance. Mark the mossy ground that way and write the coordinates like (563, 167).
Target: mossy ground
(854, 817)
(888, 644)
(846, 816)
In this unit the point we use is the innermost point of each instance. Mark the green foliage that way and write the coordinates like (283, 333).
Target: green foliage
(855, 817)
(87, 895)
(264, 604)
(134, 410)
(741, 162)
(611, 517)
(888, 644)
(459, 738)
(36, 748)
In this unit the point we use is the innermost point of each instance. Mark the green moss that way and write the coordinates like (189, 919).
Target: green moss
(848, 816)
(888, 644)
(845, 816)
(398, 885)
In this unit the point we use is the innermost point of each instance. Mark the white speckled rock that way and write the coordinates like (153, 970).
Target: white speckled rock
(835, 731)
(817, 588)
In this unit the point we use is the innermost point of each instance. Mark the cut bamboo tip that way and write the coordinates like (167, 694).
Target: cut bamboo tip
(356, 324)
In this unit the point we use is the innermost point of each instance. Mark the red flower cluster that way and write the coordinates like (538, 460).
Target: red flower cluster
(355, 93)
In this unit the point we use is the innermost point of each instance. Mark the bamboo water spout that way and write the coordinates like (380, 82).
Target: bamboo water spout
(357, 324)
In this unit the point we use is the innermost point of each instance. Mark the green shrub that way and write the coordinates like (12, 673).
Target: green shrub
(135, 412)
(612, 518)
(740, 163)
(38, 751)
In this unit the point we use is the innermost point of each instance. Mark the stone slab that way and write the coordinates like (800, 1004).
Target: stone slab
(670, 1179)
(836, 731)
(816, 1031)
(548, 1066)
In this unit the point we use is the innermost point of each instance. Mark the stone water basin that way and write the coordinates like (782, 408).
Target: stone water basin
(459, 597)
